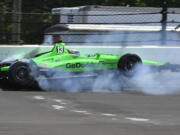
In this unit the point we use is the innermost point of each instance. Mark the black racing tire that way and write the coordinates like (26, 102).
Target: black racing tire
(127, 64)
(20, 74)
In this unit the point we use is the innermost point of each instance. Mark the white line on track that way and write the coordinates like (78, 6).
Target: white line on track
(109, 114)
(59, 101)
(137, 119)
(39, 97)
(83, 112)
(58, 107)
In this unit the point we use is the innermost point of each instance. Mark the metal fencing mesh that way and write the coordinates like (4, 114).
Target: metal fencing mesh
(33, 25)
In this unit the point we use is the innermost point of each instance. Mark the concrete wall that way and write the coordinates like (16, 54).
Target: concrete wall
(163, 54)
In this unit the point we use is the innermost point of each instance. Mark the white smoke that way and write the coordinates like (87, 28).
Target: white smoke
(13, 57)
(104, 81)
(163, 82)
(23, 55)
(56, 81)
(146, 81)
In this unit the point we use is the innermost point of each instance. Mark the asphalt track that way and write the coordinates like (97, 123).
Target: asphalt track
(90, 113)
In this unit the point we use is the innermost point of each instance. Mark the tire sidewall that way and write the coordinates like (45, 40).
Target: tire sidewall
(13, 71)
(123, 62)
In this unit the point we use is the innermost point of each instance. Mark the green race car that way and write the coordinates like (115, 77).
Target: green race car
(64, 62)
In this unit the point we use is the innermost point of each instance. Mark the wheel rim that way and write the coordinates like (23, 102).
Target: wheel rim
(131, 63)
(22, 73)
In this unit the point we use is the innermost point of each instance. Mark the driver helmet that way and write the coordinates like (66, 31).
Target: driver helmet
(74, 52)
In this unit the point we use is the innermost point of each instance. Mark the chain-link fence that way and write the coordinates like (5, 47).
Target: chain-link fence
(32, 26)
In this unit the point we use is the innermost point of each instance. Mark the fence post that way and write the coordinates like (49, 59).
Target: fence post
(164, 21)
(16, 32)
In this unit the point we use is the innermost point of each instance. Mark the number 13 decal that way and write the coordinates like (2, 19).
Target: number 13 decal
(60, 49)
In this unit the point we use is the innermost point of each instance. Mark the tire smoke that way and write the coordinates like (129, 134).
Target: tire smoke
(145, 81)
(157, 83)
(106, 81)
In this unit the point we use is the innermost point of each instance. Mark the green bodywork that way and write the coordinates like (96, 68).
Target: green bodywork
(61, 59)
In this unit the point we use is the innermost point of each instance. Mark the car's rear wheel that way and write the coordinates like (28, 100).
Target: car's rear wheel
(19, 73)
(128, 64)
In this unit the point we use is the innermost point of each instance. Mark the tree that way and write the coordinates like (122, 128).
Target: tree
(5, 19)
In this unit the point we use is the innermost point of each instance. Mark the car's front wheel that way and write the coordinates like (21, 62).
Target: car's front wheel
(128, 64)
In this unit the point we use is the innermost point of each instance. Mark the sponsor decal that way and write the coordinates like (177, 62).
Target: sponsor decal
(79, 65)
(86, 65)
